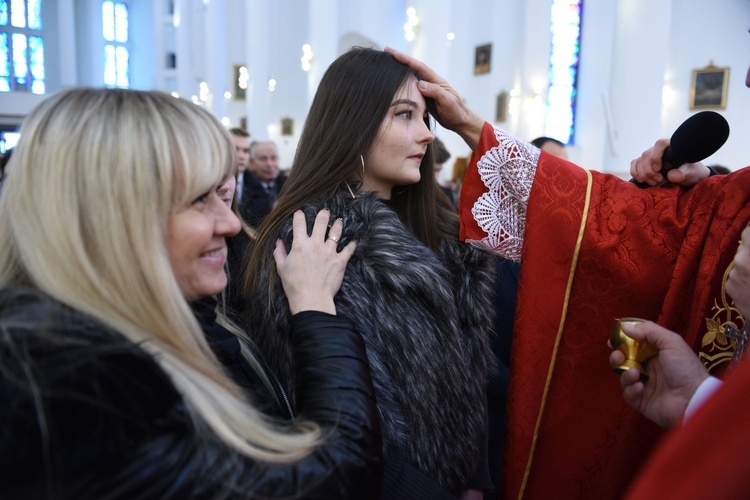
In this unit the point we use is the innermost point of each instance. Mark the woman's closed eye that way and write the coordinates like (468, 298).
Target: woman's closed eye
(202, 198)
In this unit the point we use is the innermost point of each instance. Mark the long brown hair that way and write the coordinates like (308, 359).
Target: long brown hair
(343, 123)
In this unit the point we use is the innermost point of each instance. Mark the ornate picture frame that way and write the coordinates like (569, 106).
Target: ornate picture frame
(708, 88)
(501, 107)
(482, 59)
(287, 126)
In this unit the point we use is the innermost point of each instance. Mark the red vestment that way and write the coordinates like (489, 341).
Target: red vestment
(597, 248)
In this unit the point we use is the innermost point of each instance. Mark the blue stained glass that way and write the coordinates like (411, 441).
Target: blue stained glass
(563, 71)
(108, 21)
(37, 87)
(110, 70)
(20, 69)
(121, 22)
(36, 49)
(35, 14)
(18, 13)
(123, 60)
(4, 84)
(4, 61)
(3, 12)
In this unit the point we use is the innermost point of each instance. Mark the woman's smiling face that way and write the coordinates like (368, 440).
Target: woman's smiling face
(196, 246)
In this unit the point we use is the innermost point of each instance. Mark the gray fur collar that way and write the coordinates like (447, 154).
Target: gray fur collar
(426, 321)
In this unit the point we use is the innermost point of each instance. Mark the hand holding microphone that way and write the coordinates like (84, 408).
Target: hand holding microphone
(697, 138)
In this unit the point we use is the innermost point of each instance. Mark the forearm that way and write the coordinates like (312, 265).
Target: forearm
(471, 130)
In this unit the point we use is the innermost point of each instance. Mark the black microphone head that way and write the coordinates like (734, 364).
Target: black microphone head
(697, 138)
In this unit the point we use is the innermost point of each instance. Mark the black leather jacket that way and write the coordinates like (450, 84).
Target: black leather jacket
(87, 414)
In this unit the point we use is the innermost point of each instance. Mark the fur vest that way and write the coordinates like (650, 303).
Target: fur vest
(426, 321)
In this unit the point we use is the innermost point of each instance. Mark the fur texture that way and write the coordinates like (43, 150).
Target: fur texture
(426, 321)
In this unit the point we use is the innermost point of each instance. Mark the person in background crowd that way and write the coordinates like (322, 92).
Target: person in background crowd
(241, 139)
(442, 155)
(263, 183)
(551, 146)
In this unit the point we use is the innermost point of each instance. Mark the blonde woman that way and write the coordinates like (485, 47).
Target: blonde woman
(112, 225)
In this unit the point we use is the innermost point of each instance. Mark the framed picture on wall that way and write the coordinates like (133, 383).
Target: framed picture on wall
(501, 107)
(240, 78)
(708, 88)
(482, 58)
(287, 126)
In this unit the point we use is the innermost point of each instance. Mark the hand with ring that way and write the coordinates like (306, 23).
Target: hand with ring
(312, 271)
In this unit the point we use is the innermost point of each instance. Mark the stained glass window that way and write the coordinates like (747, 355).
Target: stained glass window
(35, 14)
(18, 13)
(563, 70)
(36, 51)
(108, 21)
(4, 64)
(21, 46)
(116, 52)
(121, 22)
(20, 68)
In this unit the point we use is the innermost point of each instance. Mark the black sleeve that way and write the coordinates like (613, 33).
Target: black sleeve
(335, 391)
(103, 420)
(79, 421)
(506, 290)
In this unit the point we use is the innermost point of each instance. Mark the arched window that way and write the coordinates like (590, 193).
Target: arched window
(563, 70)
(21, 46)
(116, 51)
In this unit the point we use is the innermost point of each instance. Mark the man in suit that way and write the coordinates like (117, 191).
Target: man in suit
(241, 138)
(262, 182)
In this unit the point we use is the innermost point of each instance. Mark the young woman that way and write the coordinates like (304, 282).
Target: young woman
(112, 225)
(422, 300)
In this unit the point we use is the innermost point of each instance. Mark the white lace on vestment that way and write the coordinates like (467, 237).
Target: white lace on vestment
(508, 171)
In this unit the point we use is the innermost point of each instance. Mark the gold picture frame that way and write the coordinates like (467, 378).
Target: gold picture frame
(501, 107)
(482, 59)
(708, 88)
(287, 126)
(240, 80)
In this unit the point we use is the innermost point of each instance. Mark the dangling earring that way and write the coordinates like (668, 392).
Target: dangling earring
(362, 159)
(350, 190)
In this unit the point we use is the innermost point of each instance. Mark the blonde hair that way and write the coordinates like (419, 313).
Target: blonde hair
(83, 216)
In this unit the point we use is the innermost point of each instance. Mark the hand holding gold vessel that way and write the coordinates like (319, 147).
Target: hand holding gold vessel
(636, 352)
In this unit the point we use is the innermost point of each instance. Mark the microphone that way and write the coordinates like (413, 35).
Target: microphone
(697, 138)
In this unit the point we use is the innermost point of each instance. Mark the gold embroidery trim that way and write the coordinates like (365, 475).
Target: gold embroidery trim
(559, 332)
(716, 349)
